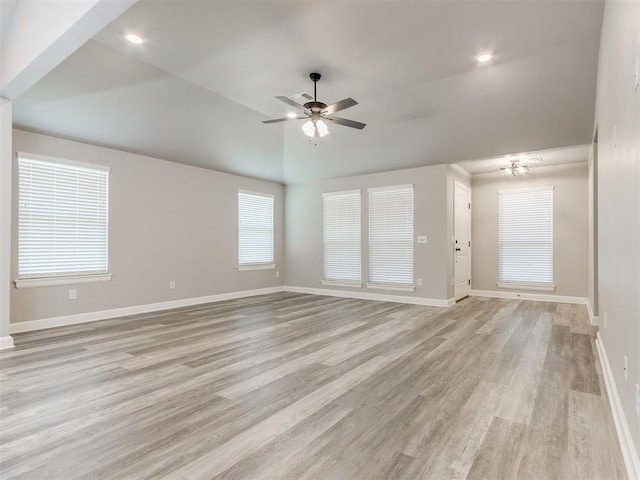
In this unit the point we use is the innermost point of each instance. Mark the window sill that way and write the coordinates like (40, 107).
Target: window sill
(527, 286)
(257, 266)
(53, 281)
(398, 288)
(337, 283)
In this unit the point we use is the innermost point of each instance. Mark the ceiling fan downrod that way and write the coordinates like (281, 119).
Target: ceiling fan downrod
(315, 77)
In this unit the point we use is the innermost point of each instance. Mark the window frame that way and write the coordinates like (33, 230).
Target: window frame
(341, 282)
(243, 267)
(51, 279)
(533, 285)
(408, 287)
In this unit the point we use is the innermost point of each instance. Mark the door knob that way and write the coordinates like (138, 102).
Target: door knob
(457, 249)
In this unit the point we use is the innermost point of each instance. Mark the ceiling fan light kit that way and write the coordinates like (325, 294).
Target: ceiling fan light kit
(317, 112)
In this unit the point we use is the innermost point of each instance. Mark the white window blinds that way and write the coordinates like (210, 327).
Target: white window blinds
(526, 237)
(391, 236)
(62, 218)
(255, 229)
(341, 237)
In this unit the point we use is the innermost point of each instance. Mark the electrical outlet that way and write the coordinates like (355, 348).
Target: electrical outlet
(172, 284)
(419, 282)
(422, 239)
(636, 75)
(277, 273)
(73, 294)
(637, 399)
(625, 367)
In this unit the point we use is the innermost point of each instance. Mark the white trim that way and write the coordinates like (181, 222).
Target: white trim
(593, 318)
(70, 280)
(452, 301)
(429, 302)
(406, 186)
(6, 342)
(256, 266)
(62, 161)
(134, 310)
(629, 451)
(538, 297)
(396, 288)
(544, 188)
(32, 325)
(257, 194)
(338, 283)
(463, 186)
(341, 192)
(527, 286)
(460, 170)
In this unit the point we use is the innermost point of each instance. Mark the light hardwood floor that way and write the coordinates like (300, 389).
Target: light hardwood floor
(298, 387)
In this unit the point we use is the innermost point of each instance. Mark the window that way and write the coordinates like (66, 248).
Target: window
(526, 238)
(255, 231)
(391, 237)
(62, 221)
(341, 238)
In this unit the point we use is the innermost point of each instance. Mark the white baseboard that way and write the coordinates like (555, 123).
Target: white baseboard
(135, 310)
(6, 342)
(629, 451)
(430, 302)
(594, 319)
(539, 297)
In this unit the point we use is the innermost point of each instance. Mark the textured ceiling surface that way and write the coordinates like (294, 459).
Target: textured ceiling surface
(197, 90)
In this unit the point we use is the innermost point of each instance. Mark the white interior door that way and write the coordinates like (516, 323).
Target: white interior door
(462, 240)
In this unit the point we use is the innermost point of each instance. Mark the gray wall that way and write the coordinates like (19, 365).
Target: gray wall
(570, 230)
(304, 250)
(167, 221)
(618, 105)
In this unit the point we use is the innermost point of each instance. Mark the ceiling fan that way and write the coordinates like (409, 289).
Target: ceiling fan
(316, 112)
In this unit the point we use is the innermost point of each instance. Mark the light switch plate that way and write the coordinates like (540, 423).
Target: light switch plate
(636, 74)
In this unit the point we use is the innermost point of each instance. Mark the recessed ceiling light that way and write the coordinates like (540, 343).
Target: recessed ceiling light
(134, 38)
(484, 57)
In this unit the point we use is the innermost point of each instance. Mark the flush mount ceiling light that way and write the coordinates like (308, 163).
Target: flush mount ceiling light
(484, 57)
(514, 169)
(133, 38)
(517, 166)
(316, 113)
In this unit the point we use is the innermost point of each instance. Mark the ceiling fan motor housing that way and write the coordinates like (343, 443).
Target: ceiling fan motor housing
(315, 107)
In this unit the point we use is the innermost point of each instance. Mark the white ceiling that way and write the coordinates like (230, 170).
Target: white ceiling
(556, 156)
(197, 90)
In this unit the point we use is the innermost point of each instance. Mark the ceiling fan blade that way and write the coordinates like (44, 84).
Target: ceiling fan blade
(287, 100)
(341, 105)
(276, 120)
(307, 96)
(346, 123)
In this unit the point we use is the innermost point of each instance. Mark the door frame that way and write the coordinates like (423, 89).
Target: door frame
(458, 184)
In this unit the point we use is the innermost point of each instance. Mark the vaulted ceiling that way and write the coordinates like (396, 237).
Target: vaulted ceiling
(198, 89)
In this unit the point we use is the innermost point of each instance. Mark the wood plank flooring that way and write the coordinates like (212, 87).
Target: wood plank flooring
(291, 386)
